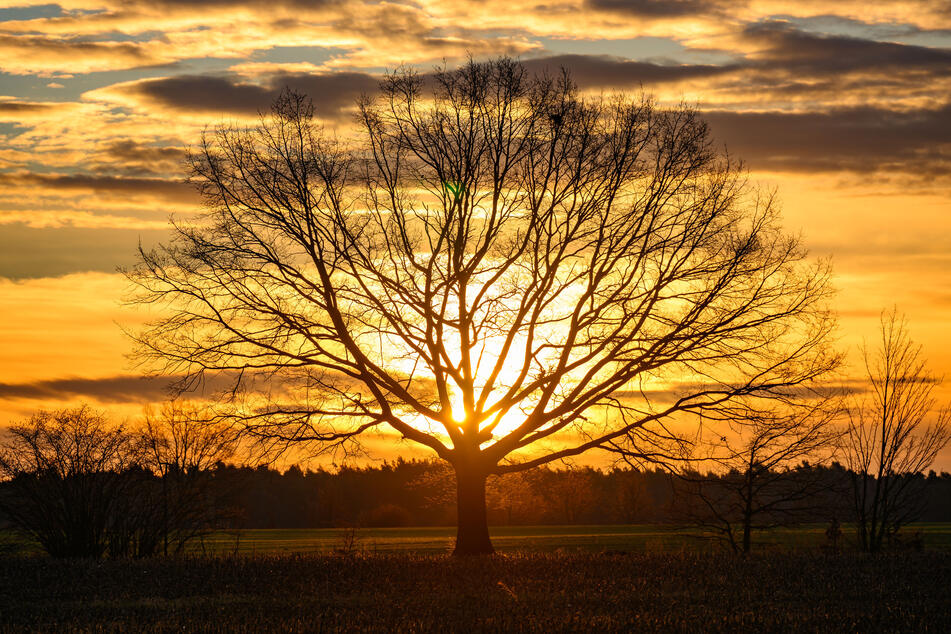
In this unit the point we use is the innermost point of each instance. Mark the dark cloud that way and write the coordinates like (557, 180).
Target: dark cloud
(171, 190)
(795, 51)
(131, 388)
(199, 5)
(332, 93)
(677, 392)
(44, 46)
(662, 8)
(131, 158)
(131, 151)
(114, 389)
(787, 57)
(592, 71)
(203, 93)
(23, 107)
(788, 62)
(794, 63)
(856, 139)
(34, 252)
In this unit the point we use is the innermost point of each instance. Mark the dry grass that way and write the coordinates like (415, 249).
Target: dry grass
(514, 592)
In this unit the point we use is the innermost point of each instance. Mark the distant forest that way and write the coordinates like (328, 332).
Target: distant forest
(422, 493)
(82, 508)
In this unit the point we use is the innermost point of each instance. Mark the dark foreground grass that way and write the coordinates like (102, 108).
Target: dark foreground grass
(528, 592)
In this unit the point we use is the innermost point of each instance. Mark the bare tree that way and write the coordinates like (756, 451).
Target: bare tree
(65, 480)
(761, 478)
(894, 434)
(181, 443)
(496, 268)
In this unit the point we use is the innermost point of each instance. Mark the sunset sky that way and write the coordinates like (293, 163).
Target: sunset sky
(844, 107)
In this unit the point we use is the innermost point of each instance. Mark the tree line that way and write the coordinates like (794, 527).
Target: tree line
(82, 487)
(419, 493)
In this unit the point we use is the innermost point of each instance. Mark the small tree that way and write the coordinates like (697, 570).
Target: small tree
(66, 482)
(181, 443)
(762, 478)
(498, 269)
(894, 434)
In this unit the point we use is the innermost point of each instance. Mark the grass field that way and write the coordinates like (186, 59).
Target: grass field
(532, 592)
(642, 538)
(432, 540)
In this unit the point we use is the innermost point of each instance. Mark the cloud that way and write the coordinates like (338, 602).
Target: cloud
(192, 6)
(135, 388)
(114, 389)
(860, 139)
(774, 62)
(16, 110)
(664, 8)
(593, 71)
(201, 93)
(676, 391)
(36, 252)
(139, 34)
(29, 53)
(130, 157)
(781, 46)
(333, 94)
(170, 190)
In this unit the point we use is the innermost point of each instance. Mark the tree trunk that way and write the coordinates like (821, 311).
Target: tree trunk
(472, 534)
(747, 534)
(748, 511)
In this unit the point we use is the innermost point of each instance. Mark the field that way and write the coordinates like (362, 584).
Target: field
(434, 540)
(545, 578)
(579, 591)
(424, 540)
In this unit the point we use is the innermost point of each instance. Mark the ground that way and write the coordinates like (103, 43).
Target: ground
(585, 584)
(531, 592)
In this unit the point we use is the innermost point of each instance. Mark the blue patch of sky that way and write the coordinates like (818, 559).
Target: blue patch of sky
(881, 32)
(34, 12)
(8, 129)
(294, 54)
(643, 49)
(31, 13)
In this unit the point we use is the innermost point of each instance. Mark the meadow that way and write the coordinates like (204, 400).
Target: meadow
(548, 578)
(639, 538)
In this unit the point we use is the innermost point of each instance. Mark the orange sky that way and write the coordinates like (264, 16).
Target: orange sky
(845, 110)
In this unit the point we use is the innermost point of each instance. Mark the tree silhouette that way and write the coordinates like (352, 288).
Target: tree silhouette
(83, 487)
(181, 443)
(497, 268)
(66, 484)
(894, 434)
(761, 482)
